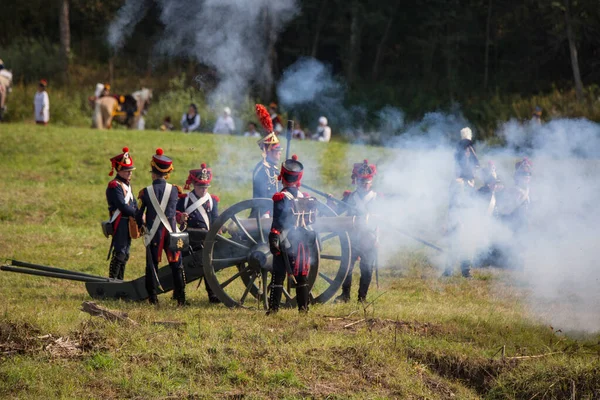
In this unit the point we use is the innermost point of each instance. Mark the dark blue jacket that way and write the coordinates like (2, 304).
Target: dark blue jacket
(146, 205)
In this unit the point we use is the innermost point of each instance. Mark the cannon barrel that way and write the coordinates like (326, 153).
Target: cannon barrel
(68, 276)
(46, 268)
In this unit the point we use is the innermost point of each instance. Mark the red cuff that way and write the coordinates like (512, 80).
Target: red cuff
(273, 230)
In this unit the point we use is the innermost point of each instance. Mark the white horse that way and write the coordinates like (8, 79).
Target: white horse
(108, 108)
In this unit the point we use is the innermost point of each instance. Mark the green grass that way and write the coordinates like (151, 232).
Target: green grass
(424, 338)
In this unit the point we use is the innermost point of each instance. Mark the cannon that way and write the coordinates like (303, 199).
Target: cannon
(234, 258)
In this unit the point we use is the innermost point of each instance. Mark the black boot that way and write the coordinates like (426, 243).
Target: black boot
(345, 296)
(302, 294)
(363, 288)
(153, 299)
(121, 274)
(275, 298)
(212, 298)
(366, 274)
(465, 269)
(179, 285)
(181, 299)
(114, 268)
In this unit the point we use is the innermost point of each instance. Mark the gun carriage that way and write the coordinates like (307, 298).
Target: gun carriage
(234, 258)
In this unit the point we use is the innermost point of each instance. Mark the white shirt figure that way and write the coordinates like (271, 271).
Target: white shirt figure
(252, 132)
(323, 133)
(224, 124)
(41, 104)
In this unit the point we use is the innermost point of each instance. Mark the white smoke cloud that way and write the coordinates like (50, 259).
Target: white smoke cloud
(557, 251)
(127, 18)
(231, 36)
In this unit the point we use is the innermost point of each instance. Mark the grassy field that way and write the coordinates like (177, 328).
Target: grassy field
(423, 338)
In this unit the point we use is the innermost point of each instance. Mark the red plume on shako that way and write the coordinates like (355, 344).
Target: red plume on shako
(270, 141)
(264, 117)
(121, 162)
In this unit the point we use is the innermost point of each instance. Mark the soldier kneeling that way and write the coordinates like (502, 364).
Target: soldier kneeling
(290, 241)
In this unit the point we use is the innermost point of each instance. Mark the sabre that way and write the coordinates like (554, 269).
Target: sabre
(288, 136)
(339, 202)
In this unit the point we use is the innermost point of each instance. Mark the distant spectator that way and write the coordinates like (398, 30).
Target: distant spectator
(537, 115)
(105, 90)
(252, 132)
(190, 122)
(5, 86)
(167, 125)
(275, 118)
(41, 104)
(224, 124)
(323, 133)
(298, 133)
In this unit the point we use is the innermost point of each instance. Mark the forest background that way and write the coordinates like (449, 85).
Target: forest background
(489, 60)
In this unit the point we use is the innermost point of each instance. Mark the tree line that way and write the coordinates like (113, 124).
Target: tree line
(418, 55)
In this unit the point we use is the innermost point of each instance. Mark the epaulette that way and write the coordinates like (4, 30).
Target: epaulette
(215, 198)
(113, 184)
(180, 193)
(347, 193)
(141, 193)
(278, 196)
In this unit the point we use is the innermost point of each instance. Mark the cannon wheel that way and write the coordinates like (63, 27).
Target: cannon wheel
(237, 261)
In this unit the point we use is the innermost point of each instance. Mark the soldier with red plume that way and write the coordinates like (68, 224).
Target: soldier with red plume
(165, 196)
(290, 241)
(265, 176)
(361, 201)
(121, 208)
(198, 209)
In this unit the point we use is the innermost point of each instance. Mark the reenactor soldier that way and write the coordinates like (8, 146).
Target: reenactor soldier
(198, 209)
(158, 202)
(290, 241)
(514, 203)
(512, 210)
(361, 202)
(536, 116)
(462, 192)
(265, 176)
(488, 194)
(122, 208)
(491, 187)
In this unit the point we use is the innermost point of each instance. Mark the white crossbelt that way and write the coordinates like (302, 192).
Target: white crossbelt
(197, 205)
(128, 197)
(361, 204)
(160, 212)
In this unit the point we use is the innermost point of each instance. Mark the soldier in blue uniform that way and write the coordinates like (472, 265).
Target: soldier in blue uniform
(121, 207)
(361, 202)
(198, 209)
(290, 241)
(513, 204)
(462, 200)
(265, 175)
(155, 239)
